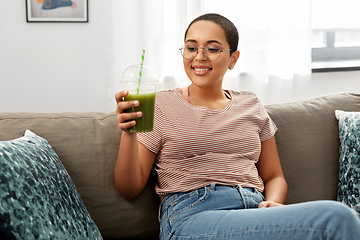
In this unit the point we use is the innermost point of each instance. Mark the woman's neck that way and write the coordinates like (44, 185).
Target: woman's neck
(213, 98)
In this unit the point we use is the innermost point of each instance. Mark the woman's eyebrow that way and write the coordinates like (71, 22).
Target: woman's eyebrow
(208, 42)
(214, 41)
(191, 40)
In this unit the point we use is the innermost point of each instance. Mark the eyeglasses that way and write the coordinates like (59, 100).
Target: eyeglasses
(211, 52)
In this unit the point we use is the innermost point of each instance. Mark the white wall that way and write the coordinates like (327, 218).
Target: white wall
(53, 67)
(65, 67)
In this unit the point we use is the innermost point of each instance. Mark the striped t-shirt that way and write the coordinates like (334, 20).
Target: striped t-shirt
(196, 146)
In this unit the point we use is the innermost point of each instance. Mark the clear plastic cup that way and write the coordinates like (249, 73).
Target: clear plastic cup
(143, 91)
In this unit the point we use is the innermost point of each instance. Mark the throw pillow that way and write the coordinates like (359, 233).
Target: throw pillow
(38, 197)
(349, 162)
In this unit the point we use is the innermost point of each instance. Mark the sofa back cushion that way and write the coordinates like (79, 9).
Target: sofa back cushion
(308, 144)
(87, 144)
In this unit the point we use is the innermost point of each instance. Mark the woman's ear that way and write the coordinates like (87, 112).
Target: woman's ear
(234, 57)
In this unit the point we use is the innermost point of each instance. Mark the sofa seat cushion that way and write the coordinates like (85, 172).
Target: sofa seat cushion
(38, 198)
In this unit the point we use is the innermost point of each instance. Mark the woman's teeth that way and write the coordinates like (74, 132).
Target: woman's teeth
(202, 69)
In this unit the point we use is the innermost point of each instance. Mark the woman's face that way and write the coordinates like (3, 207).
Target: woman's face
(201, 71)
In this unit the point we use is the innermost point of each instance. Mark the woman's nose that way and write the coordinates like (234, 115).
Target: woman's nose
(200, 56)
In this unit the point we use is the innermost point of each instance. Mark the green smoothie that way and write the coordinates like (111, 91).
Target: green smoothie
(146, 106)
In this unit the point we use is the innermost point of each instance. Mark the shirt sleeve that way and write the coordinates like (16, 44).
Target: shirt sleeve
(268, 128)
(153, 140)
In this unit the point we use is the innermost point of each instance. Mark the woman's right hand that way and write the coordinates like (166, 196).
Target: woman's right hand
(126, 120)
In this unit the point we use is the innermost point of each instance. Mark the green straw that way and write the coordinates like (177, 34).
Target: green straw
(141, 67)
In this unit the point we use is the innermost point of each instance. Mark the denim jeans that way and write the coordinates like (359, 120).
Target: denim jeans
(222, 212)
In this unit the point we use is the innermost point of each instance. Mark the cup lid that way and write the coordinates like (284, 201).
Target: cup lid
(132, 73)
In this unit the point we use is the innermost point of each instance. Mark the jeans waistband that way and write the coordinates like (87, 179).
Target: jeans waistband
(211, 187)
(244, 194)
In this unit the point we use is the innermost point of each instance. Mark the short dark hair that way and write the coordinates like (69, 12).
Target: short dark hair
(231, 32)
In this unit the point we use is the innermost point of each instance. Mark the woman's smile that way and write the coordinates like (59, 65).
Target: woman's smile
(201, 70)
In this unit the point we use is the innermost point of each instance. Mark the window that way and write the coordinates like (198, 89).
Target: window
(335, 35)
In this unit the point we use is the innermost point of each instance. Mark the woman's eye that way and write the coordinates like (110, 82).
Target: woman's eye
(213, 49)
(191, 49)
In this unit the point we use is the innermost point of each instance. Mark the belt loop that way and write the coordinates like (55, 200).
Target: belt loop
(241, 192)
(212, 186)
(160, 213)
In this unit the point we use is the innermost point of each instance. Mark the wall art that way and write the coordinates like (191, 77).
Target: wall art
(57, 11)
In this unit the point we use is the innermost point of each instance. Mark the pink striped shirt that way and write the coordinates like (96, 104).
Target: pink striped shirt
(197, 146)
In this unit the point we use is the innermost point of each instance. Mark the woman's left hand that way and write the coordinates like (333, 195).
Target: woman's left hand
(267, 204)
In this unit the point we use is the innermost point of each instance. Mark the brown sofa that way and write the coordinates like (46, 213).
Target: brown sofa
(87, 144)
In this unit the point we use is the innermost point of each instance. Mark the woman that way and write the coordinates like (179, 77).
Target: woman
(214, 150)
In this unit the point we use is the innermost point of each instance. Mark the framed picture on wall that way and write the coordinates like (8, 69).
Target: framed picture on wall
(57, 11)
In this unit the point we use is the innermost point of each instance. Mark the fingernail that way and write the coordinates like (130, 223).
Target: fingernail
(139, 114)
(136, 103)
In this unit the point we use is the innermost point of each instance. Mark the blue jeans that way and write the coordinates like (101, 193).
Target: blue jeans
(222, 212)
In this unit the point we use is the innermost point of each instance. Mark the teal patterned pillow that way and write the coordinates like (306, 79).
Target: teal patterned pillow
(349, 162)
(38, 199)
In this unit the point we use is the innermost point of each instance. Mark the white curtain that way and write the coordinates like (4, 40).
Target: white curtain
(275, 53)
(336, 14)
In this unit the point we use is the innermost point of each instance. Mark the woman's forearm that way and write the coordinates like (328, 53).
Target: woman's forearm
(128, 177)
(133, 166)
(276, 190)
